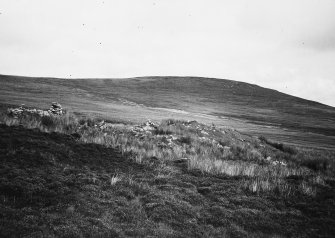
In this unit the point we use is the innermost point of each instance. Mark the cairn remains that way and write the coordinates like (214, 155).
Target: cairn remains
(56, 109)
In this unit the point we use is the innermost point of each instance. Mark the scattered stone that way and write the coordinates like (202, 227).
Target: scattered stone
(145, 129)
(203, 138)
(276, 162)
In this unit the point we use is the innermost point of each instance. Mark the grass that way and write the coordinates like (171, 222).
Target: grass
(61, 124)
(115, 179)
(63, 177)
(203, 153)
(266, 111)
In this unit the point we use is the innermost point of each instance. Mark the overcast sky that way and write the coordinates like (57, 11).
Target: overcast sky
(285, 45)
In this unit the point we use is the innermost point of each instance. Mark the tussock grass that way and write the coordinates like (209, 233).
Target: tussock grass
(116, 178)
(277, 186)
(280, 186)
(227, 167)
(66, 123)
(211, 153)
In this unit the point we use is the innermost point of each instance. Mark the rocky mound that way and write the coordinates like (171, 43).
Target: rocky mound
(55, 110)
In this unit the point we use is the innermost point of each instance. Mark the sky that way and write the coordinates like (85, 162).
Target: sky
(287, 45)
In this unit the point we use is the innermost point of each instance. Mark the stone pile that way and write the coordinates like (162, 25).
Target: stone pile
(56, 109)
(17, 112)
(103, 125)
(146, 128)
(167, 141)
(275, 162)
(185, 123)
(150, 126)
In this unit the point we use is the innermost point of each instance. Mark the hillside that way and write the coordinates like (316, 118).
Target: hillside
(249, 108)
(67, 176)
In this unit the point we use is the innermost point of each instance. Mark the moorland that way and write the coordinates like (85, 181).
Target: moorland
(217, 159)
(249, 108)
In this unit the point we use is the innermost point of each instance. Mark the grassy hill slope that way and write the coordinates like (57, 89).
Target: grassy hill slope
(250, 108)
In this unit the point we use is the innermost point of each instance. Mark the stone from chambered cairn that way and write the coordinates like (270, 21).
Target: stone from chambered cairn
(56, 109)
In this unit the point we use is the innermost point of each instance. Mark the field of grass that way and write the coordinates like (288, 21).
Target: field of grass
(69, 176)
(249, 108)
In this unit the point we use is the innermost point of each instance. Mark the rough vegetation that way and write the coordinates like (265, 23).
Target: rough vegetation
(63, 176)
(250, 108)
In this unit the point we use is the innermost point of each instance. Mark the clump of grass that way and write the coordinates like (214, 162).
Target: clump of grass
(115, 178)
(260, 178)
(243, 168)
(226, 167)
(277, 186)
(282, 186)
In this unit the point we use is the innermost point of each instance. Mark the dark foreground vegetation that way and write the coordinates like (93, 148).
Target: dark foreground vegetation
(63, 176)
